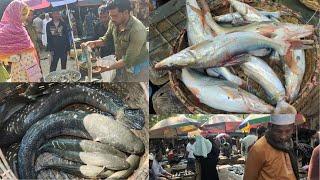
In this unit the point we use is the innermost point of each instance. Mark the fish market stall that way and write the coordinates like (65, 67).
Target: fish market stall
(290, 82)
(71, 127)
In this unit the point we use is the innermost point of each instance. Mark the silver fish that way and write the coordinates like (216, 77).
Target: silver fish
(222, 51)
(294, 79)
(223, 71)
(266, 28)
(248, 13)
(199, 31)
(262, 73)
(223, 95)
(237, 17)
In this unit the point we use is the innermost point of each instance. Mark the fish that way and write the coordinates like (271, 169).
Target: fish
(224, 50)
(113, 133)
(82, 145)
(222, 94)
(248, 12)
(199, 31)
(134, 161)
(197, 28)
(225, 72)
(106, 160)
(271, 29)
(237, 17)
(85, 171)
(68, 123)
(293, 80)
(62, 96)
(259, 71)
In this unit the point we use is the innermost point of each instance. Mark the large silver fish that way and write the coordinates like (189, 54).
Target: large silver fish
(197, 28)
(262, 73)
(222, 51)
(199, 31)
(268, 28)
(294, 79)
(223, 95)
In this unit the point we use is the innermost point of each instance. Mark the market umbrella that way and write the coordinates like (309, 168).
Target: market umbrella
(221, 123)
(173, 127)
(254, 119)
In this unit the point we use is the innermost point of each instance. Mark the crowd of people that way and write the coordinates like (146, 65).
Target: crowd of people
(269, 153)
(25, 33)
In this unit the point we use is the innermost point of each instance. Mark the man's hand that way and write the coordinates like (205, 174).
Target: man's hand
(90, 44)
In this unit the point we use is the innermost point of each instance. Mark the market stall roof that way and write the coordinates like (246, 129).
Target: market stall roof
(255, 119)
(173, 127)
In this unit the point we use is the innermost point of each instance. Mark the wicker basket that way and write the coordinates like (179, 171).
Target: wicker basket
(135, 96)
(310, 79)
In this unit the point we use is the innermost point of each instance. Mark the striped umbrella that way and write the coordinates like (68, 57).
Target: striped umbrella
(173, 127)
(221, 123)
(254, 119)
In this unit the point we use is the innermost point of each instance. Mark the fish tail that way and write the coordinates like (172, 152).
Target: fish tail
(200, 13)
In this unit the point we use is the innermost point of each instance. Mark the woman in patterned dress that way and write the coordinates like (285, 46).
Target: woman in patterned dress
(16, 46)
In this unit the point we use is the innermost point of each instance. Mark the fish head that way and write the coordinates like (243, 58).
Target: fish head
(178, 60)
(132, 118)
(293, 31)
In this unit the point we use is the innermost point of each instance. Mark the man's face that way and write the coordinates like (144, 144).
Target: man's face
(56, 15)
(282, 133)
(117, 17)
(104, 17)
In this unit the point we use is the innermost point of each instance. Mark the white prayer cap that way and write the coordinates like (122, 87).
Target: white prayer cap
(151, 158)
(283, 119)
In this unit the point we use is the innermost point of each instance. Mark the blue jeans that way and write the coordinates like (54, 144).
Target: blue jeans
(138, 68)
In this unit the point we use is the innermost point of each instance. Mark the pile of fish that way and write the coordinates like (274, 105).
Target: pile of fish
(247, 39)
(97, 143)
(237, 169)
(63, 76)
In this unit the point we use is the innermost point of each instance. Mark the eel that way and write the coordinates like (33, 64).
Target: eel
(69, 123)
(62, 96)
(134, 161)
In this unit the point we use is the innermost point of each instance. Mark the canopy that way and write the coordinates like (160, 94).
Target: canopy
(221, 123)
(173, 127)
(254, 119)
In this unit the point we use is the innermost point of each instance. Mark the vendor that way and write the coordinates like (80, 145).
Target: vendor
(272, 156)
(159, 172)
(191, 164)
(247, 142)
(130, 41)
